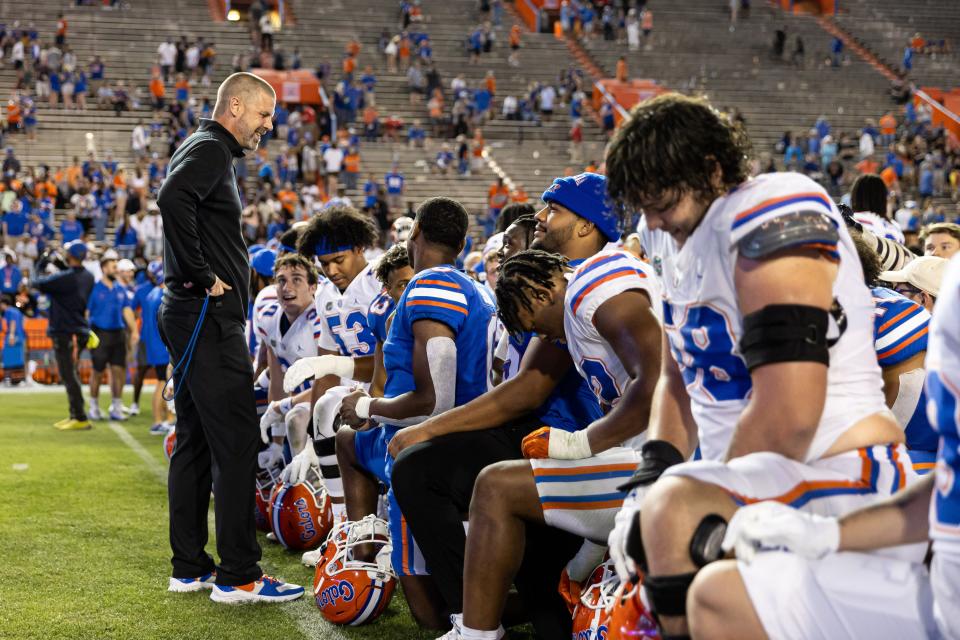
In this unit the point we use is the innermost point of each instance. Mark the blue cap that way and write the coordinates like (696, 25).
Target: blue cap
(254, 249)
(156, 270)
(76, 249)
(262, 262)
(586, 196)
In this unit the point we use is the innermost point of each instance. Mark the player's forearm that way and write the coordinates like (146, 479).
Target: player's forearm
(901, 519)
(413, 405)
(784, 411)
(379, 378)
(363, 369)
(628, 419)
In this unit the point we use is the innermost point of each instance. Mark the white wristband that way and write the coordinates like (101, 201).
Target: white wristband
(363, 407)
(566, 445)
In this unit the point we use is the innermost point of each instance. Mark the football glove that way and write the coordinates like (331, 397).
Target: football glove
(298, 468)
(271, 456)
(547, 442)
(767, 526)
(315, 368)
(275, 413)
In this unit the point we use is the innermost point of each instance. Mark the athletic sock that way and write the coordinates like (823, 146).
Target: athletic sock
(476, 634)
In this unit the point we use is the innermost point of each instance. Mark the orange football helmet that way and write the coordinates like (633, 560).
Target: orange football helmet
(346, 589)
(169, 442)
(266, 480)
(300, 514)
(630, 619)
(591, 618)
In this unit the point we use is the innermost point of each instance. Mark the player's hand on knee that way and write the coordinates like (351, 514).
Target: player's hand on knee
(355, 408)
(547, 442)
(271, 456)
(299, 467)
(275, 413)
(315, 368)
(407, 437)
(766, 526)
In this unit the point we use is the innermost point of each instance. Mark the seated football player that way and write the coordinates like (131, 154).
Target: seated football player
(771, 371)
(825, 586)
(288, 328)
(438, 461)
(336, 238)
(435, 358)
(516, 237)
(606, 314)
(394, 273)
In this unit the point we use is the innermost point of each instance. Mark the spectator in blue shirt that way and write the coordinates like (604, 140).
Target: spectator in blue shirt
(110, 311)
(70, 228)
(41, 231)
(395, 186)
(14, 222)
(125, 239)
(14, 341)
(370, 191)
(416, 135)
(10, 275)
(908, 58)
(155, 352)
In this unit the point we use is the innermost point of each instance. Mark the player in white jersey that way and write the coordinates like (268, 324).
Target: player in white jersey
(826, 587)
(288, 328)
(770, 328)
(606, 312)
(337, 238)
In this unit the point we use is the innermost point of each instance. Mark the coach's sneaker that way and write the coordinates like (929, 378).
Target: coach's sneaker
(188, 585)
(94, 412)
(76, 425)
(266, 589)
(60, 423)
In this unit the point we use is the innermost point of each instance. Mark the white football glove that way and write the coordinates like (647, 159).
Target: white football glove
(617, 540)
(767, 526)
(271, 456)
(274, 414)
(316, 367)
(298, 468)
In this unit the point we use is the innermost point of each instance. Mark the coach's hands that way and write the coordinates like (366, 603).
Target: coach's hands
(407, 437)
(772, 525)
(298, 468)
(219, 288)
(547, 442)
(315, 368)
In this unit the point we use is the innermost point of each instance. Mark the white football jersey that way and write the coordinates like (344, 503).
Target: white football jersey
(266, 295)
(595, 281)
(943, 410)
(704, 325)
(300, 340)
(343, 316)
(880, 227)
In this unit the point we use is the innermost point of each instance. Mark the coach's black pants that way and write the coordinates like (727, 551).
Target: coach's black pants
(63, 349)
(433, 483)
(217, 440)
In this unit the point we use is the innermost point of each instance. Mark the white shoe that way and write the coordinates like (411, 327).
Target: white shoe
(266, 589)
(94, 412)
(271, 536)
(456, 632)
(132, 410)
(189, 585)
(311, 558)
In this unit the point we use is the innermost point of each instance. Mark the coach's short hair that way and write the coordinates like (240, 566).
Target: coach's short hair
(443, 221)
(673, 144)
(242, 85)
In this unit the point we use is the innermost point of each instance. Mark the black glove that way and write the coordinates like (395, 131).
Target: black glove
(658, 456)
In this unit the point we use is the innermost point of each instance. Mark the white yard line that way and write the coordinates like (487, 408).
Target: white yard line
(309, 621)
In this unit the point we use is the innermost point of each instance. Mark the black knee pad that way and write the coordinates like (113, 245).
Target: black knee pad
(668, 594)
(705, 544)
(634, 545)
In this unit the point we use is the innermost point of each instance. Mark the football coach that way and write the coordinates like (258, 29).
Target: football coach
(202, 321)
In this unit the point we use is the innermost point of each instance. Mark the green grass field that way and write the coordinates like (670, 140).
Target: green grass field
(83, 526)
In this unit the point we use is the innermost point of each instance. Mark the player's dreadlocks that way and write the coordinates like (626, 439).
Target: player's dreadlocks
(529, 224)
(671, 145)
(521, 275)
(395, 258)
(337, 229)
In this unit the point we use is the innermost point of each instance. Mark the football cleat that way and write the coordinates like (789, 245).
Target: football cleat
(630, 619)
(266, 480)
(347, 588)
(94, 412)
(188, 585)
(132, 410)
(266, 589)
(591, 617)
(169, 443)
(300, 514)
(116, 416)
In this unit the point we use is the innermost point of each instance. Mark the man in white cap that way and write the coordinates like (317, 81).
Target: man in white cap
(919, 280)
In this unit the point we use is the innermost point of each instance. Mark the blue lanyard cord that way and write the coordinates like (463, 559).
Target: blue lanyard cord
(187, 355)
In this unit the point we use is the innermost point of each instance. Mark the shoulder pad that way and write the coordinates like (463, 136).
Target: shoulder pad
(796, 230)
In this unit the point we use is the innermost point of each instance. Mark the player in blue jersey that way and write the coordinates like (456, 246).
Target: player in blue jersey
(439, 460)
(436, 357)
(826, 555)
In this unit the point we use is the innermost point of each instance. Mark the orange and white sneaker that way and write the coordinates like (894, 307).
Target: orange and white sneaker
(266, 589)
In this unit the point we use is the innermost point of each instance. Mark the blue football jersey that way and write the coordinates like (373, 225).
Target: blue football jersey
(380, 310)
(445, 295)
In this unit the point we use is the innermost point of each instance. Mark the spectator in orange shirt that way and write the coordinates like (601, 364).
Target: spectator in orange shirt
(591, 167)
(13, 114)
(403, 52)
(157, 91)
(917, 42)
(288, 199)
(497, 198)
(478, 145)
(74, 173)
(371, 122)
(514, 58)
(889, 177)
(491, 82)
(353, 48)
(61, 30)
(646, 22)
(182, 88)
(888, 129)
(519, 195)
(867, 165)
(622, 73)
(351, 168)
(349, 65)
